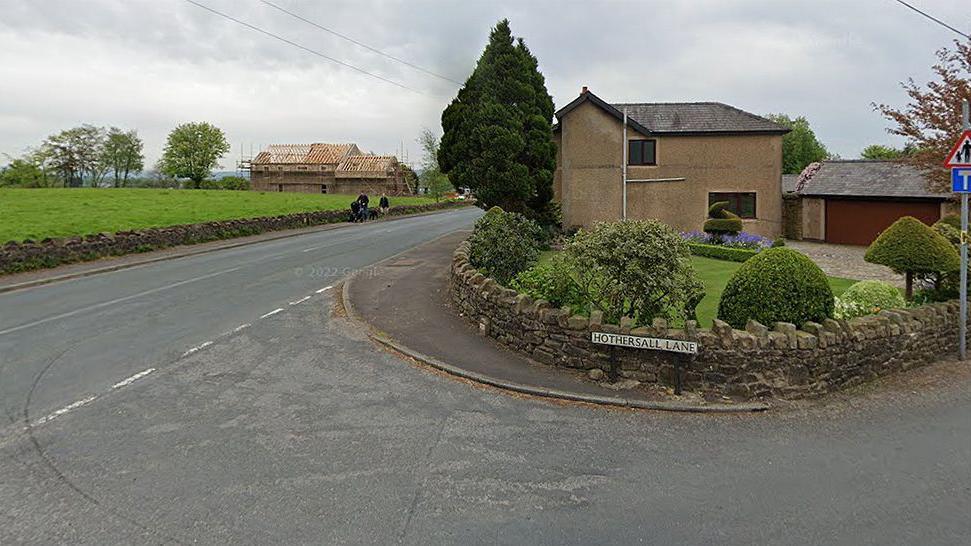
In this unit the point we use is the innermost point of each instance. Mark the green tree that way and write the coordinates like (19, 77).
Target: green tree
(931, 122)
(74, 153)
(123, 154)
(497, 137)
(23, 173)
(887, 153)
(435, 182)
(911, 247)
(800, 147)
(192, 151)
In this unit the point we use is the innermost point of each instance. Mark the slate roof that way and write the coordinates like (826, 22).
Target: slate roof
(682, 118)
(318, 153)
(865, 178)
(789, 182)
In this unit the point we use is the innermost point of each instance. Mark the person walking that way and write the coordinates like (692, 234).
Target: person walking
(383, 203)
(355, 211)
(362, 200)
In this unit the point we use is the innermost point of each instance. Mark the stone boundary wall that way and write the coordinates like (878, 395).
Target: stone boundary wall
(27, 255)
(780, 360)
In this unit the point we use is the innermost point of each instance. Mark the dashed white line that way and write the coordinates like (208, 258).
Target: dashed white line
(132, 379)
(271, 313)
(301, 300)
(324, 289)
(196, 348)
(241, 327)
(65, 409)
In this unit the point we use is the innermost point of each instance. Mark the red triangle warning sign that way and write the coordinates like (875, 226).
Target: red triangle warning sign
(960, 155)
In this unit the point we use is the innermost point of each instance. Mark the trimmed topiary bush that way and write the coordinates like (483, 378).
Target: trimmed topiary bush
(868, 298)
(634, 268)
(777, 285)
(909, 246)
(722, 221)
(719, 252)
(952, 220)
(503, 244)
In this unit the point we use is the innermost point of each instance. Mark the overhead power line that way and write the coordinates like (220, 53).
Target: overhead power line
(356, 42)
(307, 49)
(935, 19)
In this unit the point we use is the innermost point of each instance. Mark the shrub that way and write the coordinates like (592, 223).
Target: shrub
(719, 252)
(867, 298)
(634, 268)
(503, 244)
(225, 183)
(722, 221)
(552, 281)
(777, 285)
(952, 220)
(909, 246)
(779, 241)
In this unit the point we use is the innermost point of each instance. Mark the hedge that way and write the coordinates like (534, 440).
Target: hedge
(719, 252)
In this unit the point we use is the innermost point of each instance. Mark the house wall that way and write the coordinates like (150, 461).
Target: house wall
(590, 154)
(311, 181)
(813, 218)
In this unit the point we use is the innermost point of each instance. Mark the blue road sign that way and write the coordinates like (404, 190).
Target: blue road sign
(961, 179)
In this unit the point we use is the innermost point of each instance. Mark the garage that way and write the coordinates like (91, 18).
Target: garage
(859, 222)
(851, 202)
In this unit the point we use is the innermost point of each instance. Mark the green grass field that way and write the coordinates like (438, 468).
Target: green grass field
(62, 212)
(714, 274)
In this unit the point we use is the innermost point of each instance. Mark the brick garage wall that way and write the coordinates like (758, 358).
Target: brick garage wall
(27, 255)
(780, 360)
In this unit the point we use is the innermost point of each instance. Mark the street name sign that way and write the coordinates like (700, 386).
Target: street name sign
(960, 154)
(638, 342)
(961, 180)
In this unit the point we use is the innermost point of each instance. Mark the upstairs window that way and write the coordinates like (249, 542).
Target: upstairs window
(742, 204)
(642, 152)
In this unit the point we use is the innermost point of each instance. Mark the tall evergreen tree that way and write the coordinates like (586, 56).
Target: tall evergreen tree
(498, 138)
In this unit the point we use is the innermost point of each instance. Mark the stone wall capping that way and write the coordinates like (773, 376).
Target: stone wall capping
(596, 318)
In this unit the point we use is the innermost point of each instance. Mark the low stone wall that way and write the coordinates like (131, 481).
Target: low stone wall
(27, 255)
(760, 361)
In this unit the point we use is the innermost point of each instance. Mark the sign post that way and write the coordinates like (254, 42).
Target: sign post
(685, 350)
(959, 161)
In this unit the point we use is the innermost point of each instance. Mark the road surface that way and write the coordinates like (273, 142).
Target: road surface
(219, 399)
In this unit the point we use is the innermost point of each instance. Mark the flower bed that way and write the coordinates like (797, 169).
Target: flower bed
(734, 248)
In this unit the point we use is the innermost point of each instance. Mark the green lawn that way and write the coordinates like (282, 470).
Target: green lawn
(61, 212)
(715, 274)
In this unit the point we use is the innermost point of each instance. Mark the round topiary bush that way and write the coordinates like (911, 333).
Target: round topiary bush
(867, 298)
(776, 285)
(910, 246)
(503, 244)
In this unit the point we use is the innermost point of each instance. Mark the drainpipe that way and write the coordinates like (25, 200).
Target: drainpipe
(623, 206)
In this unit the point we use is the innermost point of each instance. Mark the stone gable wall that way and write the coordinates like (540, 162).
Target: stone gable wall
(781, 360)
(27, 255)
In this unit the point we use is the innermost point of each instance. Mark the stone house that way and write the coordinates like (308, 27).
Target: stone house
(853, 201)
(326, 168)
(680, 158)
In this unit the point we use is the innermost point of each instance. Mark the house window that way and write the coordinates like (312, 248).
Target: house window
(642, 152)
(323, 188)
(742, 204)
(279, 187)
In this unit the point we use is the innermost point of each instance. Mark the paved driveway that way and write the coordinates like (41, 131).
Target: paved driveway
(845, 261)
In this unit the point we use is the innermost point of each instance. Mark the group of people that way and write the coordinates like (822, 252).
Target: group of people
(360, 211)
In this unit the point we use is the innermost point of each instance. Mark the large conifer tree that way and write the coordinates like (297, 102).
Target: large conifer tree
(498, 137)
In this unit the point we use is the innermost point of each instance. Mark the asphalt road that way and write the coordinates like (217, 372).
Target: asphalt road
(296, 429)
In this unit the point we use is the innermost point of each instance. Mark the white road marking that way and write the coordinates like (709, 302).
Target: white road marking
(271, 313)
(112, 302)
(324, 289)
(132, 379)
(196, 348)
(65, 409)
(301, 300)
(241, 327)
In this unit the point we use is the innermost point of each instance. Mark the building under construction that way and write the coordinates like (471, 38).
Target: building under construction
(326, 168)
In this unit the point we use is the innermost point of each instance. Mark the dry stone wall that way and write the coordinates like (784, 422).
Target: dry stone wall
(780, 360)
(27, 255)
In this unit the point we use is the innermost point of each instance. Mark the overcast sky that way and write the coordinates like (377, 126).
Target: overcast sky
(152, 64)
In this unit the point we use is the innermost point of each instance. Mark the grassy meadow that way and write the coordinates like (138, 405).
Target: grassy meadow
(61, 212)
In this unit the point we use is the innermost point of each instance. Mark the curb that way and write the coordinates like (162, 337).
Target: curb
(450, 369)
(286, 234)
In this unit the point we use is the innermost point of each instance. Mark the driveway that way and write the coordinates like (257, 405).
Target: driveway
(846, 261)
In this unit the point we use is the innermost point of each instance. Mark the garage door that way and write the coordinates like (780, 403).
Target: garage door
(852, 222)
